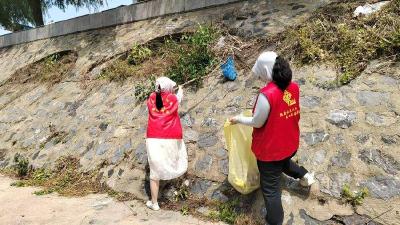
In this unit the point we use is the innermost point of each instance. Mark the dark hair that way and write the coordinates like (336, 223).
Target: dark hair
(281, 73)
(159, 102)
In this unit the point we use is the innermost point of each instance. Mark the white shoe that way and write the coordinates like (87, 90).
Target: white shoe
(153, 206)
(307, 180)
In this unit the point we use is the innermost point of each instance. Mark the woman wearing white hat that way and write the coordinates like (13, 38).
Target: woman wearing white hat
(166, 150)
(276, 132)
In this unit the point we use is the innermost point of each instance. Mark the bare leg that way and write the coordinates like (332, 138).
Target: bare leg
(154, 186)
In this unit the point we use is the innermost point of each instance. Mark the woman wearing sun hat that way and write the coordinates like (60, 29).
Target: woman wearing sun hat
(276, 132)
(166, 150)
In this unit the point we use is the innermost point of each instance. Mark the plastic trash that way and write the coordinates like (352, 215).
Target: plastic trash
(221, 43)
(228, 69)
(243, 171)
(369, 8)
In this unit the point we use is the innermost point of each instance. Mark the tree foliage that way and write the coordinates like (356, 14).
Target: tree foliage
(17, 14)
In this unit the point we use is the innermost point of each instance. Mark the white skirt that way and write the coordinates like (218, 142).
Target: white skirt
(167, 158)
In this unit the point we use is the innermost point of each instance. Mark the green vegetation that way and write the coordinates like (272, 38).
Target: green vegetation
(230, 213)
(21, 165)
(120, 196)
(143, 90)
(128, 65)
(185, 210)
(194, 56)
(55, 137)
(184, 58)
(43, 192)
(41, 175)
(353, 197)
(15, 15)
(56, 67)
(226, 212)
(248, 219)
(138, 54)
(66, 179)
(118, 71)
(182, 193)
(49, 70)
(18, 184)
(332, 35)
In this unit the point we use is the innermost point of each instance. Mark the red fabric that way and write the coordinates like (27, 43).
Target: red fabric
(164, 123)
(279, 137)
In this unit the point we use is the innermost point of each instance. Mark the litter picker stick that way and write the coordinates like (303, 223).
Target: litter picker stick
(376, 217)
(198, 78)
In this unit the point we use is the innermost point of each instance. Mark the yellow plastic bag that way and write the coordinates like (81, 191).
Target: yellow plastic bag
(243, 171)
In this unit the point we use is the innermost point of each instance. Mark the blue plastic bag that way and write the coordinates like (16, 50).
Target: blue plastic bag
(228, 69)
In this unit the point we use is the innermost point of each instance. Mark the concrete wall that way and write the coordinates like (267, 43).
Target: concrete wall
(121, 15)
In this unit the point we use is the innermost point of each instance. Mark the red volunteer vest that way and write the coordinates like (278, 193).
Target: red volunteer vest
(164, 123)
(279, 137)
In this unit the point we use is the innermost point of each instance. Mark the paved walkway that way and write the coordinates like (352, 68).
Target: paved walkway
(18, 206)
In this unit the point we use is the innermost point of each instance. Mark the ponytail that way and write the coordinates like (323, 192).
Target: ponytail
(159, 102)
(281, 73)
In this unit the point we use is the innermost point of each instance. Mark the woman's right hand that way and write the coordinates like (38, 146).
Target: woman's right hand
(233, 120)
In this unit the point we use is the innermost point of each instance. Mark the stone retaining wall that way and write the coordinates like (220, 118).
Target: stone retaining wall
(113, 17)
(350, 135)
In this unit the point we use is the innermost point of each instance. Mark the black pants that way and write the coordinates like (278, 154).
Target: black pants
(270, 177)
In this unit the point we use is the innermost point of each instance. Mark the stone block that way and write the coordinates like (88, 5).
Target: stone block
(17, 38)
(313, 138)
(52, 30)
(207, 140)
(342, 118)
(154, 8)
(109, 18)
(95, 20)
(310, 101)
(125, 14)
(376, 157)
(383, 187)
(42, 32)
(204, 164)
(140, 12)
(371, 98)
(8, 39)
(173, 6)
(68, 26)
(342, 159)
(380, 119)
(81, 23)
(30, 35)
(218, 2)
(194, 4)
(200, 187)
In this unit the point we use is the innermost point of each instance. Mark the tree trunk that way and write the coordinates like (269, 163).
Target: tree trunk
(37, 13)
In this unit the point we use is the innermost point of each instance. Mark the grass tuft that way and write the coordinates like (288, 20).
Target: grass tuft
(49, 70)
(184, 58)
(354, 198)
(226, 212)
(333, 36)
(66, 179)
(194, 56)
(21, 165)
(139, 54)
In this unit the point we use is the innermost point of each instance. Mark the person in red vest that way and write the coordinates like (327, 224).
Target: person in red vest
(276, 132)
(166, 150)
